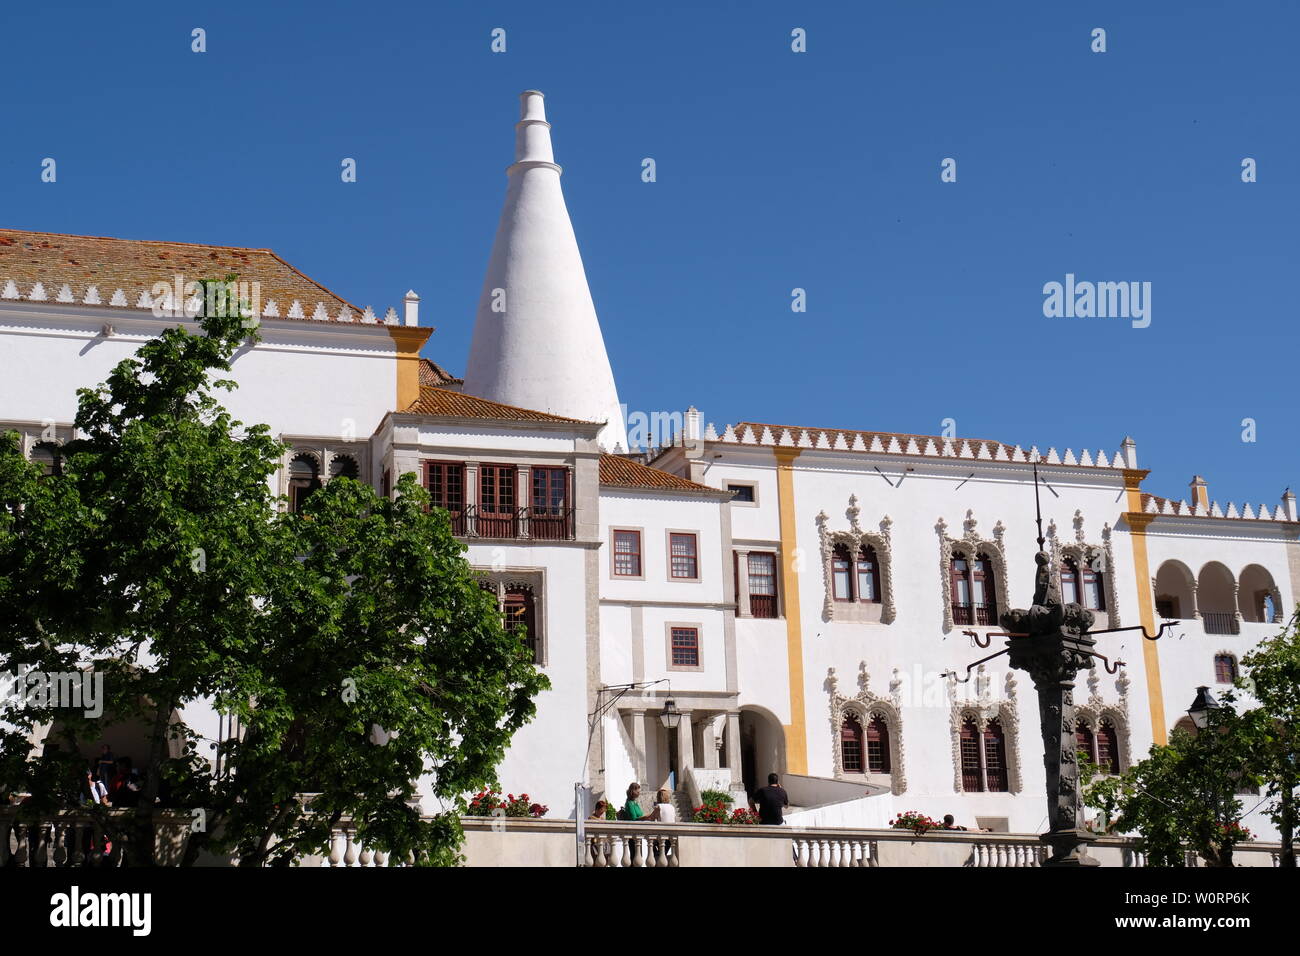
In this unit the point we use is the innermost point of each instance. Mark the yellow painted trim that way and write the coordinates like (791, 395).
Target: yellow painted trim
(409, 339)
(796, 732)
(1137, 524)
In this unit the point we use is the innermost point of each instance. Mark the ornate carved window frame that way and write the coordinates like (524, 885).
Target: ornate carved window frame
(863, 705)
(853, 539)
(532, 580)
(1097, 709)
(1083, 552)
(983, 709)
(969, 545)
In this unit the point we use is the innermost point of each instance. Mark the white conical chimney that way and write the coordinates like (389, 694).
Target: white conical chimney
(537, 341)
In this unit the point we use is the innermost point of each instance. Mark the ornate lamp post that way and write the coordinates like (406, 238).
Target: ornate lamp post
(1053, 642)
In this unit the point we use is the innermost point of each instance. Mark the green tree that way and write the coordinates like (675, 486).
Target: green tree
(1183, 796)
(1272, 672)
(157, 557)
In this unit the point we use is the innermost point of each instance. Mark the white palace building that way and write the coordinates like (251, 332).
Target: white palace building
(799, 593)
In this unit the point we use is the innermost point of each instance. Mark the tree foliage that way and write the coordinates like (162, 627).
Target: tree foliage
(1185, 796)
(351, 641)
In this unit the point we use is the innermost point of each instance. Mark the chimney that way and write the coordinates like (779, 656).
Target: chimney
(412, 303)
(1129, 449)
(694, 421)
(1288, 505)
(1200, 493)
(537, 341)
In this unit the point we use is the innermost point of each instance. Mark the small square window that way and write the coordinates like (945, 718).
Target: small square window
(627, 554)
(683, 557)
(741, 493)
(685, 647)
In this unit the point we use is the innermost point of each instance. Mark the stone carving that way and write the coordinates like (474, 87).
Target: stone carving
(1099, 557)
(864, 705)
(853, 539)
(968, 546)
(983, 712)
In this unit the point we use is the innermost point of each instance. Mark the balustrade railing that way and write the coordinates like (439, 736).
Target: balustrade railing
(1002, 855)
(631, 849)
(65, 840)
(834, 851)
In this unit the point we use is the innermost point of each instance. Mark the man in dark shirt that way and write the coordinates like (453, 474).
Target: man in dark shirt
(769, 801)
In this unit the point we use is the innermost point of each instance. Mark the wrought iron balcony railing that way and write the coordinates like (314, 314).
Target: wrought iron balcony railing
(1220, 622)
(536, 524)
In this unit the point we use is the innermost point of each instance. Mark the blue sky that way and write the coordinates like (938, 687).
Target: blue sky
(776, 170)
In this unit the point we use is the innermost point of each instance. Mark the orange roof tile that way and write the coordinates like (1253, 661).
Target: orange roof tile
(442, 402)
(431, 373)
(132, 265)
(626, 473)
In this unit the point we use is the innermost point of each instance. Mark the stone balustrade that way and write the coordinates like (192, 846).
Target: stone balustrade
(74, 839)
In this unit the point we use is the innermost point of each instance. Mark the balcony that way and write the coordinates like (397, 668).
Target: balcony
(533, 524)
(979, 615)
(1220, 622)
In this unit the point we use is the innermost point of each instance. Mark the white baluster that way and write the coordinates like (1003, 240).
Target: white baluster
(834, 847)
(350, 854)
(336, 852)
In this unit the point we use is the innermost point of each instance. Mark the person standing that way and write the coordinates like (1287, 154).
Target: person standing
(770, 801)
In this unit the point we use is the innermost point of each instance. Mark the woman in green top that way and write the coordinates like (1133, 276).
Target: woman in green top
(632, 808)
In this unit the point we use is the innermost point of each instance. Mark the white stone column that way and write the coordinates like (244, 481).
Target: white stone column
(638, 746)
(685, 747)
(709, 743)
(742, 583)
(733, 749)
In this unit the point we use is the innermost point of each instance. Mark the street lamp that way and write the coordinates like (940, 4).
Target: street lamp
(1201, 707)
(671, 716)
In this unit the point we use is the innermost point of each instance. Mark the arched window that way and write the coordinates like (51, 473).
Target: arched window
(1069, 582)
(518, 611)
(972, 763)
(961, 600)
(304, 478)
(1083, 741)
(995, 757)
(868, 575)
(1225, 668)
(841, 575)
(344, 466)
(973, 590)
(851, 744)
(1107, 747)
(46, 455)
(1094, 595)
(877, 745)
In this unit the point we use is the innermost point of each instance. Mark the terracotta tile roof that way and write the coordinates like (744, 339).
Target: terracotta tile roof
(431, 373)
(901, 443)
(55, 260)
(442, 402)
(626, 473)
(1155, 505)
